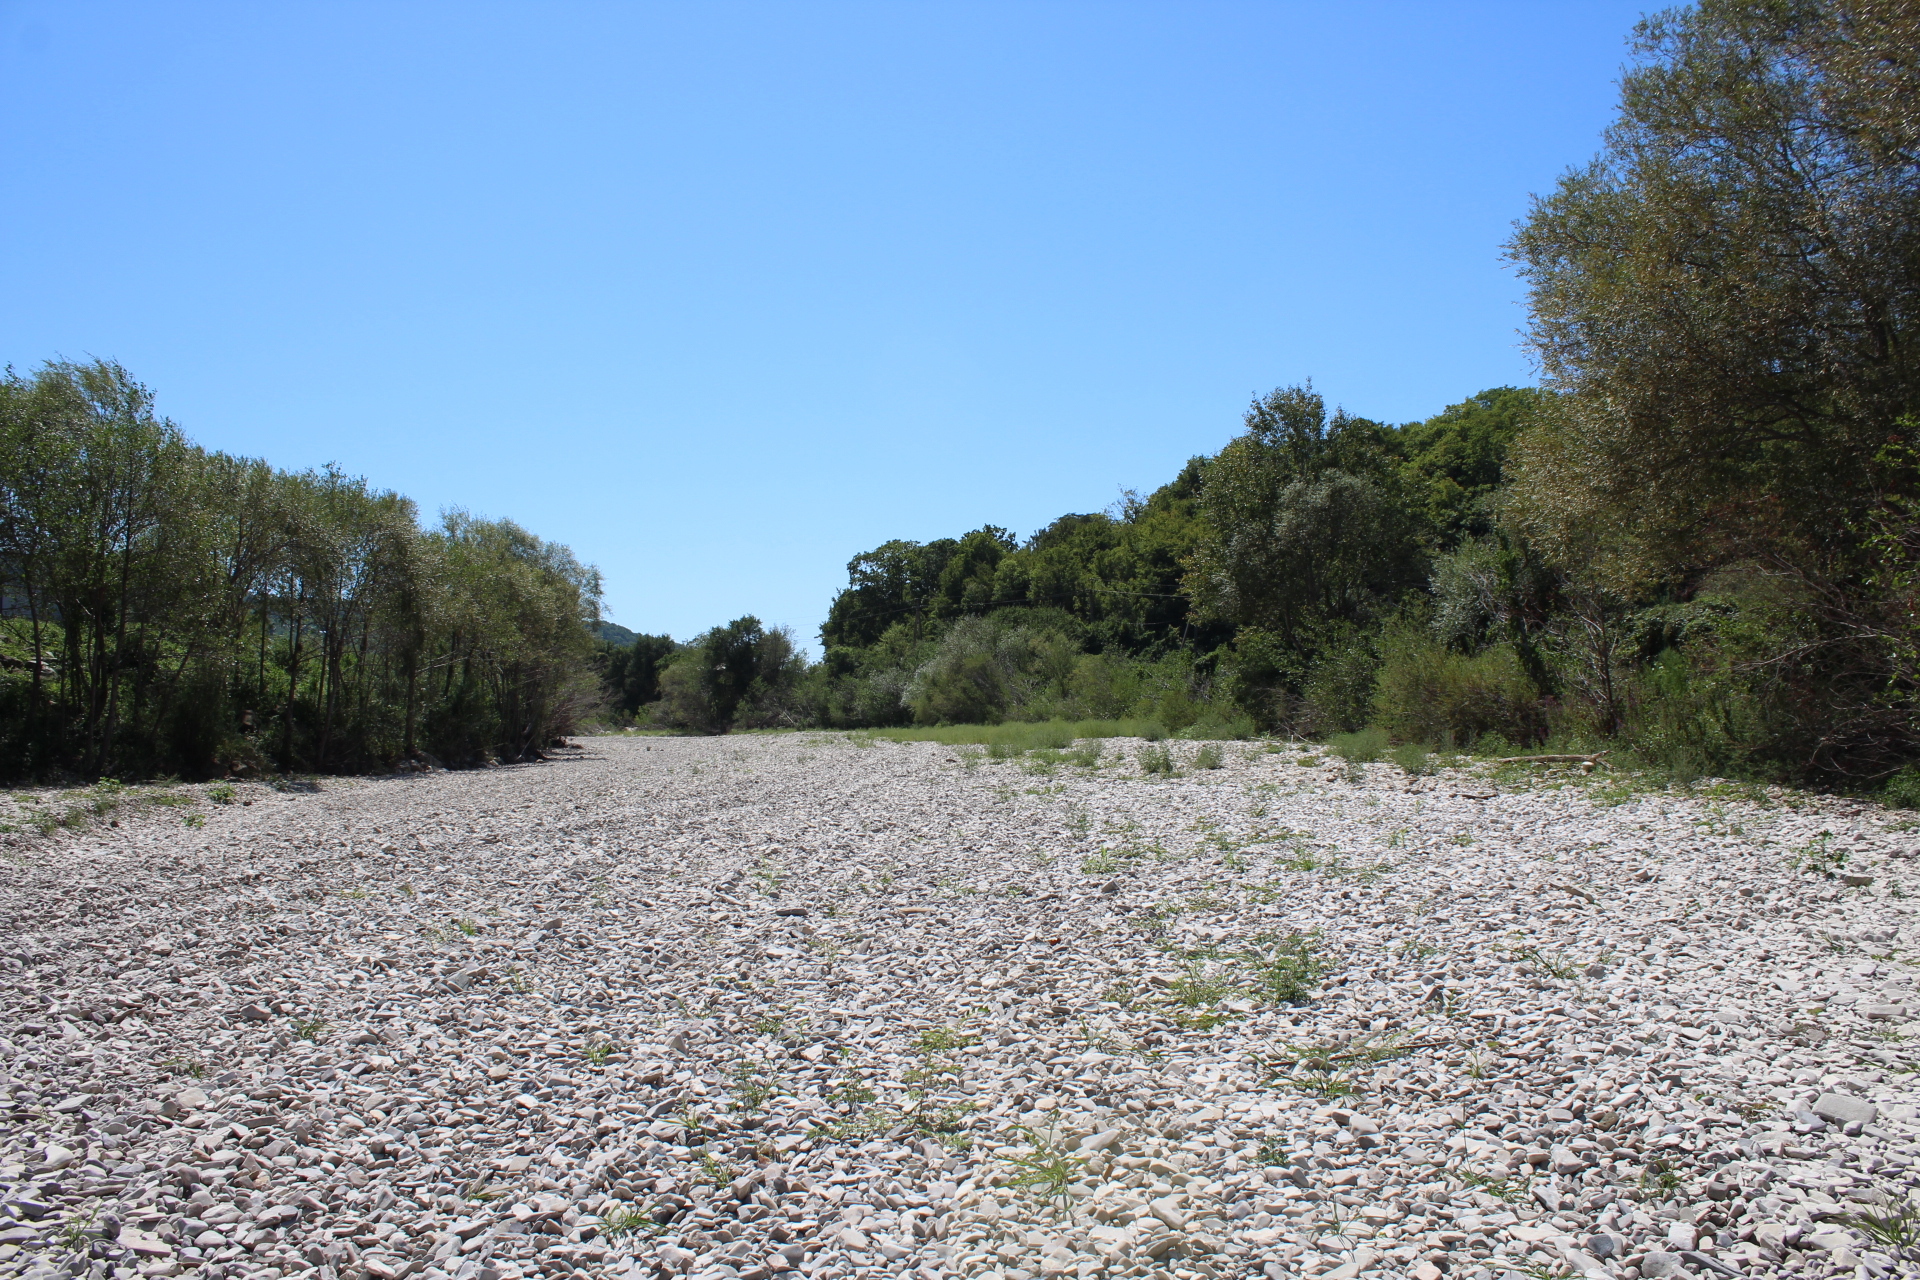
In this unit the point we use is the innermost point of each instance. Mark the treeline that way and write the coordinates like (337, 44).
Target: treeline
(166, 609)
(1696, 543)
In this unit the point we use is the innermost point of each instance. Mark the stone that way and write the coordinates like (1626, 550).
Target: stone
(1660, 1264)
(617, 966)
(55, 1158)
(1565, 1160)
(1844, 1109)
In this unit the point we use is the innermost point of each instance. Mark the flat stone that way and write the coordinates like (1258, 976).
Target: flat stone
(1844, 1109)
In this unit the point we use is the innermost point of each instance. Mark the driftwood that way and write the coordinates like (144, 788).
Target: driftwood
(1590, 761)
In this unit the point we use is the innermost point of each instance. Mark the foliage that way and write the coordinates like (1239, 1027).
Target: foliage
(740, 676)
(1362, 747)
(175, 610)
(1304, 521)
(630, 670)
(1723, 304)
(1430, 693)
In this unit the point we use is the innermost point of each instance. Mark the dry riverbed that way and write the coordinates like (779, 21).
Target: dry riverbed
(804, 1004)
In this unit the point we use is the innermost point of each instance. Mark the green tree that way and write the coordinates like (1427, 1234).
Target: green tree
(1727, 296)
(1304, 523)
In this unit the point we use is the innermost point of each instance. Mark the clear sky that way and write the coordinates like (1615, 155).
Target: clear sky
(723, 294)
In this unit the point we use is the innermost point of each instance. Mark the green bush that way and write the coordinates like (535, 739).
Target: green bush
(1429, 693)
(1903, 788)
(1414, 759)
(1363, 746)
(1339, 691)
(1219, 726)
(1156, 760)
(1208, 757)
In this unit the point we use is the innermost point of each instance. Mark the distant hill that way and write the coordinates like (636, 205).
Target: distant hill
(614, 633)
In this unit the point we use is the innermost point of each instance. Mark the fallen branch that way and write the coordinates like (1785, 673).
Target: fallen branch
(1590, 761)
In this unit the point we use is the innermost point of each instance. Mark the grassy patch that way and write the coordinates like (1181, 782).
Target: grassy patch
(1361, 747)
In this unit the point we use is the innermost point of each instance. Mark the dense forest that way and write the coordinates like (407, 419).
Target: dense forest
(1696, 542)
(171, 610)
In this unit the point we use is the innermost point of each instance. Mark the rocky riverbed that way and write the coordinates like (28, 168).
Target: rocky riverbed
(808, 1004)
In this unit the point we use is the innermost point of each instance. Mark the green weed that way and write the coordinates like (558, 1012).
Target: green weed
(1545, 964)
(1893, 1222)
(1049, 1171)
(1291, 968)
(1507, 1189)
(222, 793)
(1208, 757)
(1196, 989)
(1820, 857)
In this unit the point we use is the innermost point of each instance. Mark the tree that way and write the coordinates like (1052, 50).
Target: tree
(1303, 522)
(1727, 296)
(1725, 302)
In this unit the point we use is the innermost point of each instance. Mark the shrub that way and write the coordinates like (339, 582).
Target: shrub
(1429, 693)
(1220, 726)
(1208, 757)
(1339, 690)
(1361, 747)
(1414, 759)
(1903, 788)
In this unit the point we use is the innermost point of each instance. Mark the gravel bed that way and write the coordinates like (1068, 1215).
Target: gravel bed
(809, 1004)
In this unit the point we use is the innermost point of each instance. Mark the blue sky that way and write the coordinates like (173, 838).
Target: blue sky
(722, 294)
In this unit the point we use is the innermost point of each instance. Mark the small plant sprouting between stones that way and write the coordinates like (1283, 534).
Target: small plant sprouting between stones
(628, 1220)
(310, 1028)
(1545, 964)
(1291, 968)
(222, 793)
(1893, 1222)
(1508, 1189)
(1208, 757)
(479, 1191)
(598, 1052)
(1049, 1171)
(1821, 858)
(1156, 761)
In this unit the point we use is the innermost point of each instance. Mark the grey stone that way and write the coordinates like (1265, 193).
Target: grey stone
(1659, 1264)
(1844, 1109)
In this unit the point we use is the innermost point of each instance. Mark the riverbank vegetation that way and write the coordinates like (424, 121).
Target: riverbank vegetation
(1695, 543)
(174, 610)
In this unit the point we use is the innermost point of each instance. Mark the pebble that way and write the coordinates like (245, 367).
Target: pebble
(810, 1003)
